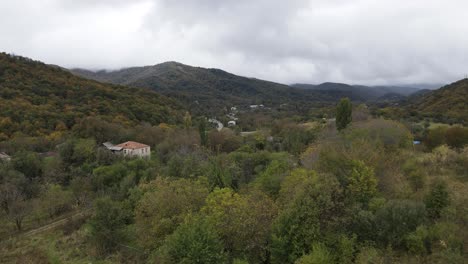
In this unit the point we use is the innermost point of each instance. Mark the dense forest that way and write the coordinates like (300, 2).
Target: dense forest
(38, 100)
(208, 91)
(350, 188)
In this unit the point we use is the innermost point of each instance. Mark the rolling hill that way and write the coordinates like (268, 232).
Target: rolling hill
(37, 99)
(211, 90)
(359, 93)
(447, 104)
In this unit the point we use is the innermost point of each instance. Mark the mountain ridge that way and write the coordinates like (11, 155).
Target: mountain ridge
(448, 104)
(207, 90)
(36, 98)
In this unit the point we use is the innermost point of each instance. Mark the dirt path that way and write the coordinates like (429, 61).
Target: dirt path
(51, 225)
(46, 227)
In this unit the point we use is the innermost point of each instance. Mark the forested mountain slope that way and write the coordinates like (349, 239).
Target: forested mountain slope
(37, 99)
(449, 103)
(209, 90)
(360, 93)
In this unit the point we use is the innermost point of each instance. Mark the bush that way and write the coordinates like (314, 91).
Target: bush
(73, 224)
(457, 137)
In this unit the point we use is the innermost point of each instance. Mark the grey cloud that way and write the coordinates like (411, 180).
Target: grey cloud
(358, 41)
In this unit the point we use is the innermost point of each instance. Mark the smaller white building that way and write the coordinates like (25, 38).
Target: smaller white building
(135, 149)
(231, 123)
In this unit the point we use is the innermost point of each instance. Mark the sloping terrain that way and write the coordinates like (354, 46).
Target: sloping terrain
(358, 92)
(447, 104)
(37, 99)
(210, 90)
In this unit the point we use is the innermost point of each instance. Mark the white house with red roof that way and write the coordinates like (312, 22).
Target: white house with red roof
(134, 149)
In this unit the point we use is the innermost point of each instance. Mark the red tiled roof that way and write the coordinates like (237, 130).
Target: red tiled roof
(132, 145)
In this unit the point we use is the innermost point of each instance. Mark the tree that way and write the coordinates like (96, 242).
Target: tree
(320, 254)
(18, 210)
(77, 151)
(164, 206)
(202, 132)
(28, 163)
(12, 187)
(55, 200)
(456, 137)
(311, 209)
(243, 222)
(362, 184)
(107, 226)
(435, 137)
(187, 120)
(195, 241)
(343, 113)
(437, 199)
(270, 180)
(397, 219)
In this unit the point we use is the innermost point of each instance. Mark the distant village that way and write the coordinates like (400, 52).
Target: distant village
(134, 149)
(232, 116)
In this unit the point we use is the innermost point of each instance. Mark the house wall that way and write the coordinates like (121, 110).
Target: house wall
(141, 152)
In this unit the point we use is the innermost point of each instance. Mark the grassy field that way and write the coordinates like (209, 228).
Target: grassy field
(50, 247)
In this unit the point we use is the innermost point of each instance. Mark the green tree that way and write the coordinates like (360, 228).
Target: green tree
(320, 254)
(397, 219)
(418, 242)
(311, 210)
(343, 113)
(84, 150)
(107, 226)
(270, 180)
(55, 200)
(164, 206)
(457, 137)
(435, 137)
(28, 163)
(202, 132)
(243, 222)
(437, 199)
(187, 120)
(195, 241)
(362, 184)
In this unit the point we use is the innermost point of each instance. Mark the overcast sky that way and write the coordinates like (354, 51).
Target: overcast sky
(289, 41)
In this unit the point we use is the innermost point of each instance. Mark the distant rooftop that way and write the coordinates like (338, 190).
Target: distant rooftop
(132, 145)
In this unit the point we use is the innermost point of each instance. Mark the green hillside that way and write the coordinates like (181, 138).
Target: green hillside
(211, 90)
(37, 99)
(447, 104)
(360, 93)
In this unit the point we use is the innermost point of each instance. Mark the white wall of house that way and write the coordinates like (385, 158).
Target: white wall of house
(141, 152)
